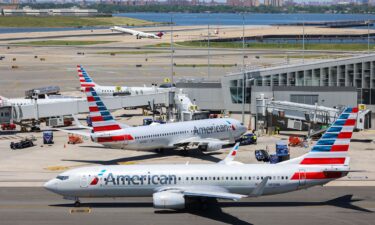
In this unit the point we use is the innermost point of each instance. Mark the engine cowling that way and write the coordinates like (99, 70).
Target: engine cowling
(168, 200)
(211, 147)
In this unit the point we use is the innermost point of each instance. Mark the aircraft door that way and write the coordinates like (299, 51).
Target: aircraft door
(302, 177)
(124, 144)
(84, 183)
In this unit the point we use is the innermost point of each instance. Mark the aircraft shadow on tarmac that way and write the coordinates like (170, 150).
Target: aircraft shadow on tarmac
(193, 153)
(214, 209)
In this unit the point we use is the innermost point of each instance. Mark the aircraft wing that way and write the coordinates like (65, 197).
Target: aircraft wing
(210, 191)
(199, 141)
(77, 132)
(214, 194)
(205, 191)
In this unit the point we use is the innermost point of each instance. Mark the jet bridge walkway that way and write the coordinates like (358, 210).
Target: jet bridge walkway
(38, 111)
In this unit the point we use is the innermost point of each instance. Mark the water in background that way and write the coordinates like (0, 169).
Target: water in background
(236, 19)
(215, 19)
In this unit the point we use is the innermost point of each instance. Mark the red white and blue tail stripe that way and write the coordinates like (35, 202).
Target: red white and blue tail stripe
(101, 118)
(337, 137)
(332, 148)
(84, 78)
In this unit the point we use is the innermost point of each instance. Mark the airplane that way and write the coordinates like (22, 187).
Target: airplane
(87, 81)
(172, 186)
(207, 135)
(138, 34)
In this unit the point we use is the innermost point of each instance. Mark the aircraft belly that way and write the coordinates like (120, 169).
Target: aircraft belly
(112, 192)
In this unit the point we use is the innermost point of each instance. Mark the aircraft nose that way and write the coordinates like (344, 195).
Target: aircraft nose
(51, 185)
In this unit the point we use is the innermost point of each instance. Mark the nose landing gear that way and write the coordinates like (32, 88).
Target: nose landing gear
(77, 203)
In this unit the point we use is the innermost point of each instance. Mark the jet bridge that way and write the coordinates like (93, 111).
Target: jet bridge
(299, 116)
(43, 110)
(304, 112)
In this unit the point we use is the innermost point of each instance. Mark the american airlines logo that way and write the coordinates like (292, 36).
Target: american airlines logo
(140, 179)
(96, 178)
(211, 129)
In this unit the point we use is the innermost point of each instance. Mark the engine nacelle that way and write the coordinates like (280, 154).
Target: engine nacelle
(211, 147)
(168, 200)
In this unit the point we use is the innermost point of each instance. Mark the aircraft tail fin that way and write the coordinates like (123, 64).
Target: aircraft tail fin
(160, 34)
(101, 118)
(332, 148)
(231, 155)
(84, 78)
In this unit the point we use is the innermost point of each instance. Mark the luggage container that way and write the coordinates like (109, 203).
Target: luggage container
(262, 155)
(274, 159)
(89, 121)
(282, 148)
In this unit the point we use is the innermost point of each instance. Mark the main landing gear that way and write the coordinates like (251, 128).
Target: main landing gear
(159, 150)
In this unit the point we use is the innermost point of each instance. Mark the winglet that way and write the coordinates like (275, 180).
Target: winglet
(79, 124)
(258, 191)
(231, 155)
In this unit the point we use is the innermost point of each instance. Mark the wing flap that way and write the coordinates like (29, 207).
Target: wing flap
(214, 194)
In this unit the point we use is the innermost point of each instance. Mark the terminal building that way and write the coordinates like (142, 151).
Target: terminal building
(337, 82)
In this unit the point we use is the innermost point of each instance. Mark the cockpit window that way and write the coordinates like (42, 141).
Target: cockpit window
(62, 177)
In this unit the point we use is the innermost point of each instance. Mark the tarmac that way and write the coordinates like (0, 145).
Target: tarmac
(319, 205)
(33, 166)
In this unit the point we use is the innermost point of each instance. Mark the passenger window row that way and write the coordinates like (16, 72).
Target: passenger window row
(161, 135)
(237, 178)
(225, 178)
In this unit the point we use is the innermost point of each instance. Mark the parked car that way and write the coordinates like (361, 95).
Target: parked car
(247, 139)
(26, 143)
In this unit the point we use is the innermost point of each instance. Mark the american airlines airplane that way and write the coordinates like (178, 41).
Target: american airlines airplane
(87, 81)
(138, 34)
(172, 186)
(207, 135)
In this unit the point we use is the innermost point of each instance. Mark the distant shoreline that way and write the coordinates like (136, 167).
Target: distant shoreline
(70, 22)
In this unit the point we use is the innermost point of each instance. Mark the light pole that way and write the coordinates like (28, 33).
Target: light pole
(208, 51)
(303, 40)
(208, 47)
(243, 69)
(368, 36)
(172, 51)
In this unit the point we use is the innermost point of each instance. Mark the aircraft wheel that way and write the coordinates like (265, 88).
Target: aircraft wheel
(77, 204)
(159, 150)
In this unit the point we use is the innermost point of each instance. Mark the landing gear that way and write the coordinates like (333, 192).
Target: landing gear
(77, 203)
(159, 150)
(185, 151)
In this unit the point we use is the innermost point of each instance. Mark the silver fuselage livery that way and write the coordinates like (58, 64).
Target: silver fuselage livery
(172, 135)
(145, 180)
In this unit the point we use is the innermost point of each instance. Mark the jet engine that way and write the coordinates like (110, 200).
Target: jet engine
(211, 147)
(168, 200)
